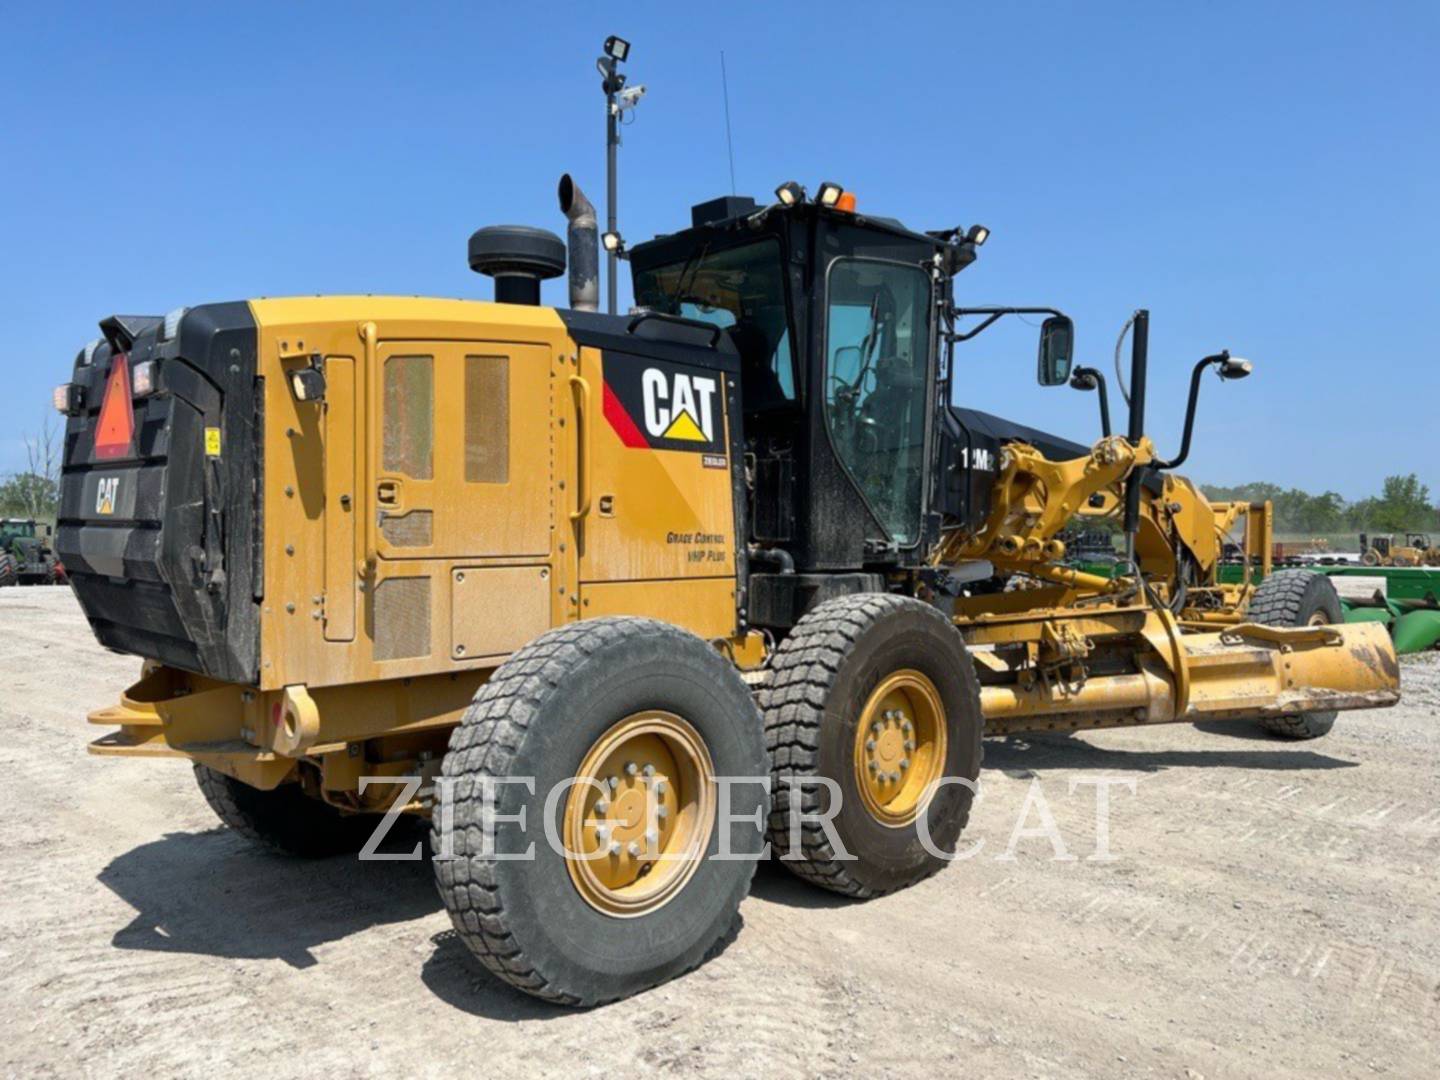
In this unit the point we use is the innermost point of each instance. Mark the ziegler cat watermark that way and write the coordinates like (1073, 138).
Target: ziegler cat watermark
(498, 814)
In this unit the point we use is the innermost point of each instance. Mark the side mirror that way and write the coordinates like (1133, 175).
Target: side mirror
(1057, 347)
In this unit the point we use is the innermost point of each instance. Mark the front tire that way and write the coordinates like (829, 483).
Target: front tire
(607, 712)
(876, 693)
(9, 575)
(1297, 598)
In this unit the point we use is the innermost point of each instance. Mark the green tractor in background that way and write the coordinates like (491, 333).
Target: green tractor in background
(26, 556)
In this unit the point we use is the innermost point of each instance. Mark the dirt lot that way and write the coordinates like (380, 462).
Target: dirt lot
(1272, 909)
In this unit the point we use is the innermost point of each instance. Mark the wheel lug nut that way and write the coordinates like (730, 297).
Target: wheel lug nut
(649, 770)
(910, 745)
(869, 744)
(876, 727)
(614, 848)
(873, 767)
(659, 787)
(602, 833)
(652, 836)
(905, 725)
(661, 813)
(613, 782)
(633, 849)
(631, 768)
(601, 806)
(904, 763)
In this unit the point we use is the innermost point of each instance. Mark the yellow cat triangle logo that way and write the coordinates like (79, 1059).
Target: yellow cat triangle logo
(684, 427)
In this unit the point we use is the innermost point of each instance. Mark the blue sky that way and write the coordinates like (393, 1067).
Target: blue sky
(1263, 177)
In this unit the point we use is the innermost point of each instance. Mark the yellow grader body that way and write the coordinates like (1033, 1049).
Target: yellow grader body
(359, 539)
(535, 543)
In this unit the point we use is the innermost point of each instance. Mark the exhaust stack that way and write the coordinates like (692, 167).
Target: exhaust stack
(584, 242)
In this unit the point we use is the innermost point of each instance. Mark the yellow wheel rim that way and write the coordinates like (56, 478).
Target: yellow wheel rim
(639, 814)
(900, 747)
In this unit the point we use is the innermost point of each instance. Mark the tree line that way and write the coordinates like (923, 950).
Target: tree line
(34, 492)
(1403, 505)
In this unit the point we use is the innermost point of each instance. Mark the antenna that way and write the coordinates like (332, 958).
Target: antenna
(729, 142)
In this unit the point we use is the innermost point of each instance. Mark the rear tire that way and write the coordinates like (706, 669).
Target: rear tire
(9, 575)
(559, 710)
(284, 819)
(1297, 598)
(822, 691)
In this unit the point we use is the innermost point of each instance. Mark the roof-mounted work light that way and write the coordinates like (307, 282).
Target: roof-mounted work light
(829, 194)
(790, 193)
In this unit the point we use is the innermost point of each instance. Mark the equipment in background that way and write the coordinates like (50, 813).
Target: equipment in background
(26, 557)
(1412, 549)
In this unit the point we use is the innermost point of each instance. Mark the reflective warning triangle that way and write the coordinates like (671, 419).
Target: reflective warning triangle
(115, 429)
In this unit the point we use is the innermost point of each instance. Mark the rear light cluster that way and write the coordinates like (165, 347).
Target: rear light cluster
(145, 378)
(69, 398)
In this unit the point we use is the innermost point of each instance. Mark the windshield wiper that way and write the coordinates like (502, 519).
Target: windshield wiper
(687, 274)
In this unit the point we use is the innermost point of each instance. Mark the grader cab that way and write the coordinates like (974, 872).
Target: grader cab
(615, 600)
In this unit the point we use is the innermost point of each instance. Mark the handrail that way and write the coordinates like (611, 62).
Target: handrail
(582, 455)
(369, 335)
(697, 324)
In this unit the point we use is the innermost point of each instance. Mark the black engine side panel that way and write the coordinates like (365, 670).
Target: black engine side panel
(970, 443)
(162, 544)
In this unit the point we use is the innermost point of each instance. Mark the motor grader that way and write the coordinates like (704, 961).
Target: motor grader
(663, 587)
(1413, 549)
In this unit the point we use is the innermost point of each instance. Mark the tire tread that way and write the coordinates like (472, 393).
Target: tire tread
(484, 744)
(793, 704)
(1281, 600)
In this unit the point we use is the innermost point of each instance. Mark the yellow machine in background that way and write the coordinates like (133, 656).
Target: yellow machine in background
(1384, 550)
(732, 569)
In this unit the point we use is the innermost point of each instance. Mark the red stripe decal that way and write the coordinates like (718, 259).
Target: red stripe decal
(620, 420)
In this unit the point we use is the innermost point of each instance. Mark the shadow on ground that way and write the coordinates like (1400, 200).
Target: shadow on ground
(458, 979)
(213, 894)
(1027, 755)
(776, 885)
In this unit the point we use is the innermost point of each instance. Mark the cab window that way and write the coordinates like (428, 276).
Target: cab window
(741, 289)
(877, 351)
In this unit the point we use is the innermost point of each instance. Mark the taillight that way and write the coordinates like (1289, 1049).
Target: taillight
(69, 399)
(145, 378)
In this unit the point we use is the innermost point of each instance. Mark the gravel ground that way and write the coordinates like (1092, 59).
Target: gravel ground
(1271, 909)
